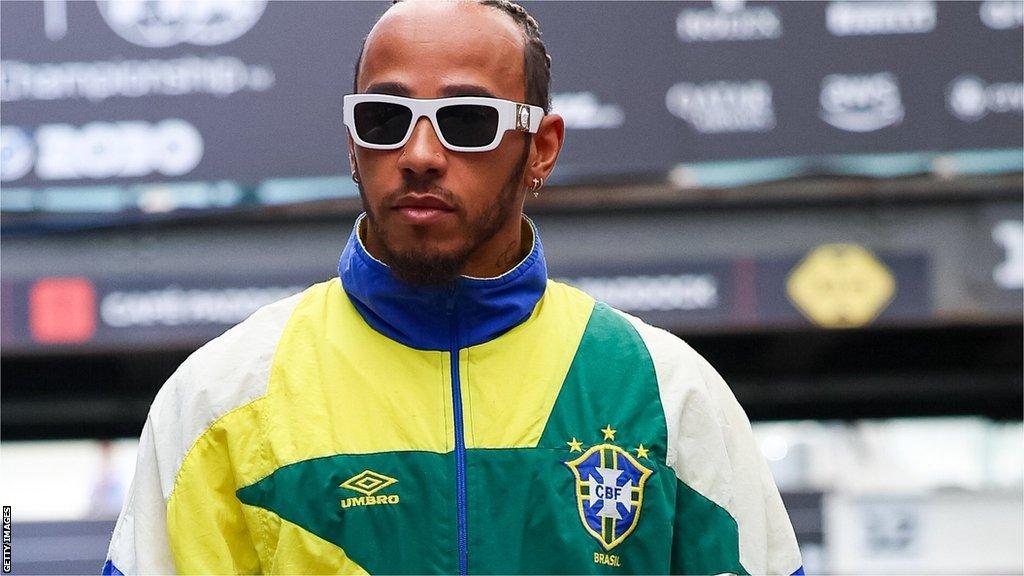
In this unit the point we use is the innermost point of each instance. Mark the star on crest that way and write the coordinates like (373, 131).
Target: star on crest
(609, 432)
(642, 452)
(575, 445)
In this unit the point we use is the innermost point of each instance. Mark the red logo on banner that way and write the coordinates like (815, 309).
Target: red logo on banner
(62, 310)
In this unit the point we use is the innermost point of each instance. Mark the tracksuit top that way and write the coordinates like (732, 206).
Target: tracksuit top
(493, 425)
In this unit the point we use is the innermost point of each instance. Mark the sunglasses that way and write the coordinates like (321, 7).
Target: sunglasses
(462, 124)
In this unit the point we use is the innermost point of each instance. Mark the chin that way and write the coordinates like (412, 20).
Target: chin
(427, 242)
(429, 253)
(426, 267)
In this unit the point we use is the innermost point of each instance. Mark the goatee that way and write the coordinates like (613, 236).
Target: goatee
(423, 268)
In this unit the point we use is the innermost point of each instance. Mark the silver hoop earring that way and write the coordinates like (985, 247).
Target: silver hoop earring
(537, 183)
(355, 178)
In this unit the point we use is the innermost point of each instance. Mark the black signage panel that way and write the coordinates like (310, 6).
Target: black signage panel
(832, 290)
(82, 314)
(996, 268)
(121, 92)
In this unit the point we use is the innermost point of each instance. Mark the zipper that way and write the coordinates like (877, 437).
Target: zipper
(460, 440)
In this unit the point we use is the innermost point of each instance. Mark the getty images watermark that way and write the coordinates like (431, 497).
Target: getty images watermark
(7, 539)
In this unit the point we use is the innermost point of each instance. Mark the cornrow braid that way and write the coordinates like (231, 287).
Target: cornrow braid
(536, 60)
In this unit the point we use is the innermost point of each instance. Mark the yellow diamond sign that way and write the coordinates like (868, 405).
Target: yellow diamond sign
(367, 482)
(841, 286)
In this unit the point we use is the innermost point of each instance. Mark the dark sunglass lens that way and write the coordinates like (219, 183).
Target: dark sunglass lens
(382, 122)
(469, 125)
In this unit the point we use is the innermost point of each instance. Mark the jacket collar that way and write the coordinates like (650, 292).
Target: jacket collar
(467, 312)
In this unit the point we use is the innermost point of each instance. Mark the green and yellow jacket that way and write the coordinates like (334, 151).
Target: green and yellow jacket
(496, 425)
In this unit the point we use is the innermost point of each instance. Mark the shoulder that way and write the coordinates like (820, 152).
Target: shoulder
(694, 396)
(226, 373)
(689, 388)
(680, 370)
(234, 355)
(673, 358)
(235, 360)
(566, 295)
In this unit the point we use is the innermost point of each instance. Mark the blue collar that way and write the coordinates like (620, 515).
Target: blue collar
(480, 309)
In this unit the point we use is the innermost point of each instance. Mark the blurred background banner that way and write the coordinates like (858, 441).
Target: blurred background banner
(119, 312)
(825, 199)
(224, 100)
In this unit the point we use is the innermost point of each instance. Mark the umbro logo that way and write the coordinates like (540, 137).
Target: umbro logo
(368, 483)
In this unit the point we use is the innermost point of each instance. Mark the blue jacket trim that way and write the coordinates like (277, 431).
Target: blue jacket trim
(416, 315)
(110, 570)
(799, 572)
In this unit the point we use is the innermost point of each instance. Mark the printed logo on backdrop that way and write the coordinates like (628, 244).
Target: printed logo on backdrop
(995, 271)
(96, 81)
(583, 111)
(151, 23)
(644, 293)
(861, 102)
(126, 149)
(723, 106)
(62, 310)
(865, 18)
(892, 529)
(1002, 14)
(17, 153)
(163, 23)
(970, 99)
(1009, 236)
(728, 20)
(193, 306)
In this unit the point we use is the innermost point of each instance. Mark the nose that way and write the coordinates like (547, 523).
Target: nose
(423, 154)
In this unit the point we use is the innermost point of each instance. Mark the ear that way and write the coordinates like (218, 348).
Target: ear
(352, 167)
(547, 143)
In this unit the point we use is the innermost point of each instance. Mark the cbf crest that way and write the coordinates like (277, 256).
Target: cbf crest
(609, 489)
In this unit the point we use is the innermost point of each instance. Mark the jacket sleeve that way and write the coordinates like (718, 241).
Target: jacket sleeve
(729, 517)
(181, 513)
(724, 480)
(140, 543)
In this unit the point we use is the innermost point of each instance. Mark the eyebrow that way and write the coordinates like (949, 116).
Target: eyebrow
(389, 88)
(451, 91)
(466, 90)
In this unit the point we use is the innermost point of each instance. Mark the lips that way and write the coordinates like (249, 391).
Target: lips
(423, 202)
(423, 209)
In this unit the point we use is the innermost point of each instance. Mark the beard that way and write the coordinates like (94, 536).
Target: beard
(427, 268)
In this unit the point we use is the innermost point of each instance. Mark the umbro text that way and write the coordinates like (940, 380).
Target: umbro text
(369, 500)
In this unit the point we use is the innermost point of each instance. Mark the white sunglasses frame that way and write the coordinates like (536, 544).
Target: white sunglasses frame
(511, 116)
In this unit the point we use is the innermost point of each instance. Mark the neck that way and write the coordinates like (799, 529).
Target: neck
(480, 308)
(501, 252)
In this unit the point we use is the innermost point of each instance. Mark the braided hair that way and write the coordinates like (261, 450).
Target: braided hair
(536, 60)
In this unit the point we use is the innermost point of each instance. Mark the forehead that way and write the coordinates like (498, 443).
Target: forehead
(430, 47)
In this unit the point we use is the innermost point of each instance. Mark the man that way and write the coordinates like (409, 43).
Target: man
(442, 406)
